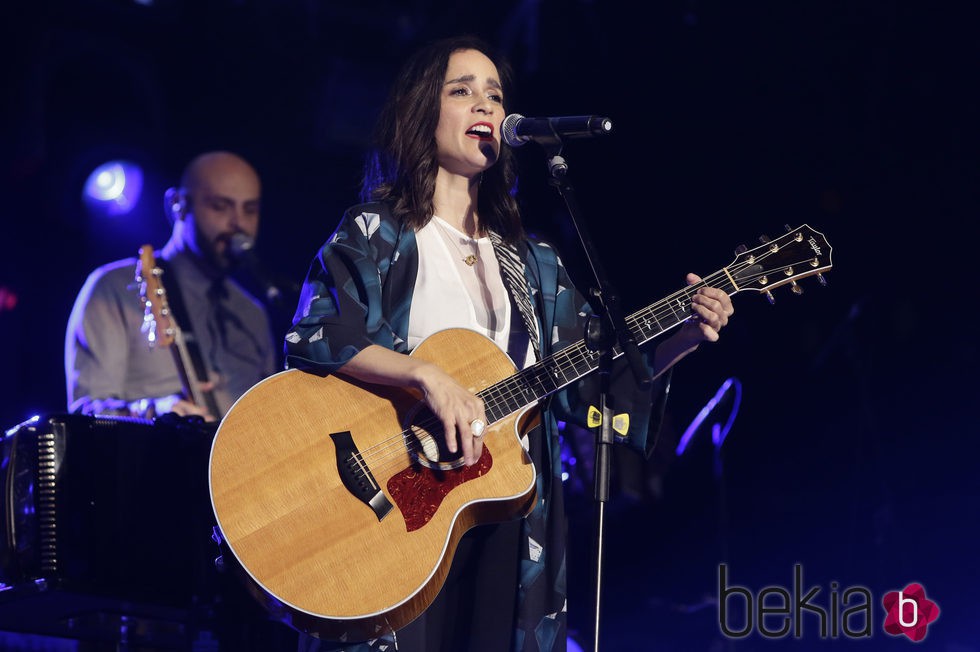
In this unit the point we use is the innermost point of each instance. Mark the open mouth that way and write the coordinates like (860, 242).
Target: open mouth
(481, 130)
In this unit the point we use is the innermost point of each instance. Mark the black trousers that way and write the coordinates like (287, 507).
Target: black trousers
(474, 611)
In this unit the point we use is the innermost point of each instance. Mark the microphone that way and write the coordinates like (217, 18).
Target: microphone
(241, 250)
(517, 130)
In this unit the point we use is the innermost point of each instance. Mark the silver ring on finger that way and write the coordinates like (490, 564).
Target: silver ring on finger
(478, 427)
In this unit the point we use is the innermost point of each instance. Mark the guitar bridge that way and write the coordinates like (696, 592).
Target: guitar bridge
(357, 477)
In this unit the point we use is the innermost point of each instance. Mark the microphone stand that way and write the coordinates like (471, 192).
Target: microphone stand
(604, 330)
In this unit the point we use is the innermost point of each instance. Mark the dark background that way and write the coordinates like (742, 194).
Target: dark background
(853, 452)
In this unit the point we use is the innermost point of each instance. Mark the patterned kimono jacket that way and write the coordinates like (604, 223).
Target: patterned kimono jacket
(359, 291)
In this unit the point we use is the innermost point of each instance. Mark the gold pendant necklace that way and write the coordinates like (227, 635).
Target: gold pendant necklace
(469, 259)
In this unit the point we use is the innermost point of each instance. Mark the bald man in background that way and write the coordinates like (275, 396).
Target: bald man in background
(111, 368)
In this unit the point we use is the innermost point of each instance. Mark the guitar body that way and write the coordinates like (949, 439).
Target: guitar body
(335, 565)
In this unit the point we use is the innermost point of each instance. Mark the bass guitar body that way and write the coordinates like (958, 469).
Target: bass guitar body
(339, 501)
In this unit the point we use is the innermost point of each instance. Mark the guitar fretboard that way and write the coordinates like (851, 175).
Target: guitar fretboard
(576, 361)
(799, 253)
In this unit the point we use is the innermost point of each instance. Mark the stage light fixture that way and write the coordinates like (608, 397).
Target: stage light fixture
(114, 187)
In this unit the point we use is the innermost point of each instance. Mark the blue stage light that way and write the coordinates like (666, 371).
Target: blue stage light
(114, 187)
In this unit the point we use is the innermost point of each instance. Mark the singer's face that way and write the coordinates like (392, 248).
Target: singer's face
(224, 201)
(470, 112)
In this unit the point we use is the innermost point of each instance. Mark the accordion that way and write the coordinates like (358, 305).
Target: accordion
(104, 519)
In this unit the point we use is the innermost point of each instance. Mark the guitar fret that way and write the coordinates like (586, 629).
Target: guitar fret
(495, 413)
(647, 328)
(492, 403)
(561, 368)
(581, 363)
(514, 396)
(544, 384)
(506, 406)
(542, 380)
(680, 305)
(526, 391)
(555, 370)
(508, 396)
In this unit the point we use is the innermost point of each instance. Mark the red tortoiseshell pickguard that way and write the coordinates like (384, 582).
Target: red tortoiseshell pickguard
(418, 490)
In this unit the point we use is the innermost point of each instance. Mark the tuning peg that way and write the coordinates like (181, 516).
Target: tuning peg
(741, 249)
(822, 280)
(764, 238)
(772, 299)
(787, 228)
(797, 290)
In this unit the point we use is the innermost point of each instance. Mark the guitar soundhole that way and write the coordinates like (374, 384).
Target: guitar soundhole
(427, 444)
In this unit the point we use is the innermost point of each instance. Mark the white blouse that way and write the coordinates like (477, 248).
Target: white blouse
(449, 293)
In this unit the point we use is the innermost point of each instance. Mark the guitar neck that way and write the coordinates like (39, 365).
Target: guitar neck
(799, 253)
(162, 329)
(576, 361)
(192, 374)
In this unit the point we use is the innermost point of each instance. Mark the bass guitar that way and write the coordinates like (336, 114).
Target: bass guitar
(337, 498)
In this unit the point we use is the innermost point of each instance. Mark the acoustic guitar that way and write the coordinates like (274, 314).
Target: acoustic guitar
(161, 329)
(340, 503)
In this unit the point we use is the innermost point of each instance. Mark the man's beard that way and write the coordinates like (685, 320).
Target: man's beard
(216, 253)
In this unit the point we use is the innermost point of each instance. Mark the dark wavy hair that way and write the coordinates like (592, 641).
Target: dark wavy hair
(401, 167)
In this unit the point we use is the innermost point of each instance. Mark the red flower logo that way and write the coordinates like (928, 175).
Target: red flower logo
(909, 612)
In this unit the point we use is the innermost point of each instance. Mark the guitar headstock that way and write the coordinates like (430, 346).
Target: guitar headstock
(798, 253)
(158, 322)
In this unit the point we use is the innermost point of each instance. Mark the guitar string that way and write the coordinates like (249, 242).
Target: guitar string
(494, 396)
(380, 455)
(427, 425)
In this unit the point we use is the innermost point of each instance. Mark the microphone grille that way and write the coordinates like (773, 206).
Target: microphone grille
(508, 130)
(240, 244)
